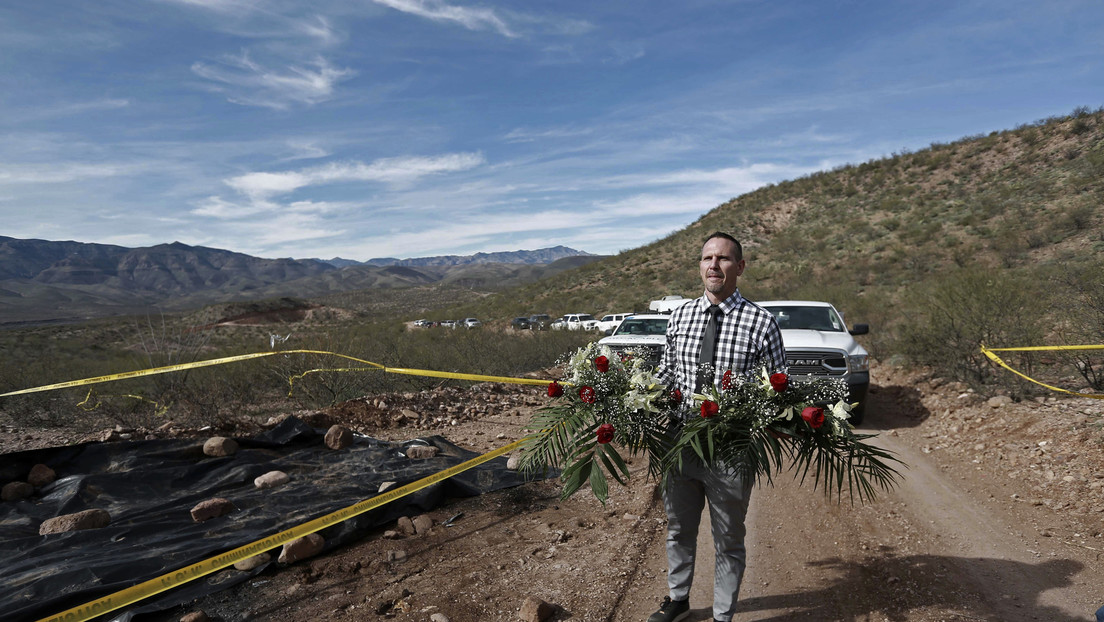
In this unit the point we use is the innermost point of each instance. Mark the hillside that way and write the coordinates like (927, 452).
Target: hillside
(1028, 201)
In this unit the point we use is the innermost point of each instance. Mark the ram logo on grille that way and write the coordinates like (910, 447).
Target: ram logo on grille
(805, 362)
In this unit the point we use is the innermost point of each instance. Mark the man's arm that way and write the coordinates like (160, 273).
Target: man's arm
(668, 363)
(776, 350)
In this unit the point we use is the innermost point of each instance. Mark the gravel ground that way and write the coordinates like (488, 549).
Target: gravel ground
(999, 517)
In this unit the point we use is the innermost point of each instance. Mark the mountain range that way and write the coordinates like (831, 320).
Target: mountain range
(47, 281)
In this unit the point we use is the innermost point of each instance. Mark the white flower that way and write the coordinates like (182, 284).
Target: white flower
(841, 410)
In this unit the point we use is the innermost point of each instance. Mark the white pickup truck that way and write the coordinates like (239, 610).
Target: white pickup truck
(819, 344)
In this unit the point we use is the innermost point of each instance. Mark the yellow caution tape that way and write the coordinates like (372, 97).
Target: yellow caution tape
(245, 357)
(170, 580)
(996, 359)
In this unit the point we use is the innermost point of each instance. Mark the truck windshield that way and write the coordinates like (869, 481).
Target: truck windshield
(807, 318)
(642, 327)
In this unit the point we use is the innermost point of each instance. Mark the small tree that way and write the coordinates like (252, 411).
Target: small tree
(949, 319)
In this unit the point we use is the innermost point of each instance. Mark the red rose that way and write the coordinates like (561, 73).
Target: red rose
(779, 382)
(814, 416)
(676, 396)
(710, 408)
(602, 363)
(726, 381)
(588, 395)
(554, 389)
(605, 433)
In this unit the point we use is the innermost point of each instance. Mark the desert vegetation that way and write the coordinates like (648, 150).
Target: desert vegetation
(995, 239)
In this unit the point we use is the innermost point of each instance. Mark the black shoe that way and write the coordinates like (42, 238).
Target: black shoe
(671, 610)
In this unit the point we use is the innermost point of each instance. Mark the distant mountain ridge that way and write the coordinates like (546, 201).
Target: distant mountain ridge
(540, 256)
(43, 280)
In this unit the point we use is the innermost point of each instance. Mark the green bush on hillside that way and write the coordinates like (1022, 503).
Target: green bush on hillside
(949, 319)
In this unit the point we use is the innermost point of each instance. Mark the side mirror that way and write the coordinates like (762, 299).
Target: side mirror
(860, 329)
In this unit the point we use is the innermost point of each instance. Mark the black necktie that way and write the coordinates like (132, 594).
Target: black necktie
(708, 348)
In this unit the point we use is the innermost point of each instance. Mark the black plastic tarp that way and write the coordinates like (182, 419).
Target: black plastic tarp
(149, 488)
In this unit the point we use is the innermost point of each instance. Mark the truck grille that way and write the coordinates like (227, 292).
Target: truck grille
(816, 363)
(651, 353)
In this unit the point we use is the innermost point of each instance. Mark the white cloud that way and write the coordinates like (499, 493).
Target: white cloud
(386, 170)
(437, 10)
(62, 172)
(249, 83)
(522, 135)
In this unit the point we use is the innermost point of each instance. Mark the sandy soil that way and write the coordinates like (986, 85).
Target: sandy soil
(1000, 516)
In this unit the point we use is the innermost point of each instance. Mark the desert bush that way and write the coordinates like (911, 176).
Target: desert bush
(1080, 319)
(947, 320)
(478, 351)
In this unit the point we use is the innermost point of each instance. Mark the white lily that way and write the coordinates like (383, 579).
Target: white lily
(841, 410)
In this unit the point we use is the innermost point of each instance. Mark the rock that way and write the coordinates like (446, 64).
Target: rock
(211, 508)
(513, 462)
(410, 415)
(302, 548)
(88, 519)
(423, 524)
(421, 451)
(41, 475)
(218, 446)
(998, 401)
(250, 563)
(339, 437)
(396, 555)
(535, 610)
(438, 617)
(271, 479)
(406, 526)
(14, 491)
(384, 487)
(195, 616)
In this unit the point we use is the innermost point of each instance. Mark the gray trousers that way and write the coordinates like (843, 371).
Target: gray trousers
(684, 498)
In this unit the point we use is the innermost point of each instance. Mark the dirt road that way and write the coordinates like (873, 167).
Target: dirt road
(951, 543)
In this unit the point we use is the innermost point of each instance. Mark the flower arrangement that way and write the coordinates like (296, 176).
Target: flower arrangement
(752, 424)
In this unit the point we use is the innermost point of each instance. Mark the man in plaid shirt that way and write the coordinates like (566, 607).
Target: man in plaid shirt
(743, 337)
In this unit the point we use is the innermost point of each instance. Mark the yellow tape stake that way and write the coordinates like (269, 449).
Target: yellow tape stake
(996, 359)
(170, 580)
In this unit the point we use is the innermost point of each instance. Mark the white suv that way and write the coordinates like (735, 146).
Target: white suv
(576, 321)
(645, 334)
(609, 322)
(819, 344)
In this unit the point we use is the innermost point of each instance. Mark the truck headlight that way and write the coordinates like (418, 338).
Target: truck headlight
(858, 362)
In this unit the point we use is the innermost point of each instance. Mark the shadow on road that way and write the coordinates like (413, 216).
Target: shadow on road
(895, 587)
(894, 406)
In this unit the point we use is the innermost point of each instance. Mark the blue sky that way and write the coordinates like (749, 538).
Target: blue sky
(409, 128)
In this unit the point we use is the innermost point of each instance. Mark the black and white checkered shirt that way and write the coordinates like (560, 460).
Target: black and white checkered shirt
(749, 338)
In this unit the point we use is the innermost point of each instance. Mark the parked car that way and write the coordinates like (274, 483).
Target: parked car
(576, 321)
(470, 322)
(448, 323)
(644, 334)
(818, 344)
(610, 322)
(520, 323)
(540, 321)
(422, 323)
